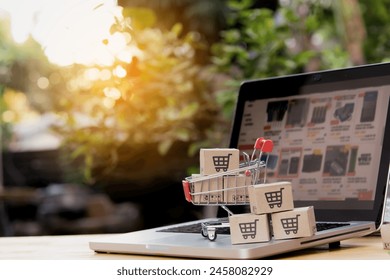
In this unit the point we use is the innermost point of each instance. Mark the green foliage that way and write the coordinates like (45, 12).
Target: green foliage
(377, 17)
(260, 43)
(162, 101)
(140, 18)
(204, 17)
(20, 67)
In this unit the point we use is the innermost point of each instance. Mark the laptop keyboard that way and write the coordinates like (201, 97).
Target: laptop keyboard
(196, 228)
(326, 226)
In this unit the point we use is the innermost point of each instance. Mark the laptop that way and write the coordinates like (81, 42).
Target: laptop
(329, 131)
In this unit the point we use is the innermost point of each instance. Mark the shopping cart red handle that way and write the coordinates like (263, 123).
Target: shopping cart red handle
(259, 143)
(268, 146)
(186, 188)
(264, 145)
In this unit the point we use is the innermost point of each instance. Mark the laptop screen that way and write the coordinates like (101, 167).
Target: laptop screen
(328, 130)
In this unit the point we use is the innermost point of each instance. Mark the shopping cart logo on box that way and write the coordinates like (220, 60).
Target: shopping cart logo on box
(274, 198)
(221, 162)
(248, 229)
(290, 224)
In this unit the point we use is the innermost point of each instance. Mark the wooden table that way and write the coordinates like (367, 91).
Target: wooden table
(75, 247)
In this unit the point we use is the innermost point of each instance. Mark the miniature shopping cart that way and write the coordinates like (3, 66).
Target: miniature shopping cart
(229, 187)
(248, 229)
(290, 224)
(274, 198)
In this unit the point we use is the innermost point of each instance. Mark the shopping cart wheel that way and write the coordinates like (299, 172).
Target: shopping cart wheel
(212, 234)
(204, 232)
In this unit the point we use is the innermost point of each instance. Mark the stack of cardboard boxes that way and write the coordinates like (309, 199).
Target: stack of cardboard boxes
(272, 213)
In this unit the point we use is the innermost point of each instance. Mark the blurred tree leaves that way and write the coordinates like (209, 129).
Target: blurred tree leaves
(376, 16)
(298, 36)
(159, 100)
(21, 66)
(140, 18)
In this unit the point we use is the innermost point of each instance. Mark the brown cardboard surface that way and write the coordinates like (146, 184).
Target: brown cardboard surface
(213, 161)
(249, 228)
(271, 198)
(299, 222)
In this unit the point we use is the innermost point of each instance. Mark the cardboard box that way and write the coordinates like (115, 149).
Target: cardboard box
(207, 191)
(213, 161)
(271, 198)
(236, 188)
(249, 228)
(299, 222)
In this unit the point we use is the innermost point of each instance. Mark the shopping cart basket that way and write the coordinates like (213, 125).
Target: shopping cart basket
(229, 187)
